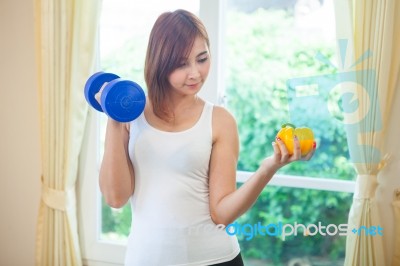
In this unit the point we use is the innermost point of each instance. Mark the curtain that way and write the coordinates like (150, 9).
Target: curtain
(66, 37)
(396, 209)
(371, 29)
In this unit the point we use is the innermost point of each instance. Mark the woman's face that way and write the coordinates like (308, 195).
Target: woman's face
(192, 72)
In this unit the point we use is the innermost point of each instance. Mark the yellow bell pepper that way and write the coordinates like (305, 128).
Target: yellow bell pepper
(304, 135)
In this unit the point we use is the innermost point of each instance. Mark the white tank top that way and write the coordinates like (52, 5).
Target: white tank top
(171, 221)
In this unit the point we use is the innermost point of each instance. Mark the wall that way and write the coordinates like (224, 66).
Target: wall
(19, 134)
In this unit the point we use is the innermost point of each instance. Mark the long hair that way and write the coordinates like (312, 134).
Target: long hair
(170, 41)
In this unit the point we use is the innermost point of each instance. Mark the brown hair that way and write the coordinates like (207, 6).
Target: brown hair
(171, 40)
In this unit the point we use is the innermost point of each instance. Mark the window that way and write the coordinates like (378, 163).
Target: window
(258, 47)
(268, 45)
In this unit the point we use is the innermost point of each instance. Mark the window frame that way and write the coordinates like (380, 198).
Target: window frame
(96, 252)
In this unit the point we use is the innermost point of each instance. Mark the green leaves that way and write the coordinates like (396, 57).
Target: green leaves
(261, 57)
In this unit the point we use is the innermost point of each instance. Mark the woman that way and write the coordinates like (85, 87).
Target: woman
(177, 162)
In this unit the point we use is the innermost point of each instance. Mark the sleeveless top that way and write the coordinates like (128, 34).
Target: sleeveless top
(171, 221)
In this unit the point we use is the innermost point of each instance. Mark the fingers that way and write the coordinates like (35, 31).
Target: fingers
(97, 96)
(308, 156)
(296, 149)
(276, 149)
(277, 153)
(311, 153)
(282, 155)
(283, 151)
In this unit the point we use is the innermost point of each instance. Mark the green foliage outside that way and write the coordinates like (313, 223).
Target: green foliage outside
(261, 59)
(264, 52)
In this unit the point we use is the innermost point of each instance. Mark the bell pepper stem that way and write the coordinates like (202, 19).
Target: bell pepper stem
(288, 124)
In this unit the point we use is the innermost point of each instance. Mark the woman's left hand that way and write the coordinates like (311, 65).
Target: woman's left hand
(281, 156)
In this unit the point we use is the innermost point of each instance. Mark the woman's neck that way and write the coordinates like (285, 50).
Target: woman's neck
(178, 107)
(178, 104)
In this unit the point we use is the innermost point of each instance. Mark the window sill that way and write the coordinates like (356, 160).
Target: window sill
(328, 184)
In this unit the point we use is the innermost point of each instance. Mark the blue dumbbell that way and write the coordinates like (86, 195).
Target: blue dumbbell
(122, 100)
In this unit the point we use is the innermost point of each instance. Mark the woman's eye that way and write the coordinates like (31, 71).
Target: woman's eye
(202, 60)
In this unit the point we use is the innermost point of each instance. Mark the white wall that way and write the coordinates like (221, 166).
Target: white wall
(19, 134)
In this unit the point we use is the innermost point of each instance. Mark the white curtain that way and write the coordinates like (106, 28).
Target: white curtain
(372, 31)
(66, 37)
(396, 210)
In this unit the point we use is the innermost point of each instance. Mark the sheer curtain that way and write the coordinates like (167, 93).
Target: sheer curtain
(66, 33)
(396, 209)
(371, 29)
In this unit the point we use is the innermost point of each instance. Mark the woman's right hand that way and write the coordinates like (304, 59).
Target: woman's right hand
(97, 96)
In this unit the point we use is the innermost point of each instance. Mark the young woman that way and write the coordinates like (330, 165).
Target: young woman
(176, 163)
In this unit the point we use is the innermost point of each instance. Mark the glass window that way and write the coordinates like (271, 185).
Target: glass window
(270, 44)
(267, 45)
(281, 209)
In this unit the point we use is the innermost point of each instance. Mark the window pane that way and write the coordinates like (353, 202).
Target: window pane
(289, 206)
(124, 31)
(269, 44)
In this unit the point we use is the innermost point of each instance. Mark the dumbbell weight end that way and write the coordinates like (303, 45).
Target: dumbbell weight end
(123, 100)
(93, 86)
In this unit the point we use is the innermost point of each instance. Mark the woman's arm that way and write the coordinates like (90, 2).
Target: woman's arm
(226, 202)
(116, 172)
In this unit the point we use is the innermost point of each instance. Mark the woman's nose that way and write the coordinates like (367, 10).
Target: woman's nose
(193, 72)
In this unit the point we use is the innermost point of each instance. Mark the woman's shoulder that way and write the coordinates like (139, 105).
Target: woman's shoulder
(221, 114)
(223, 120)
